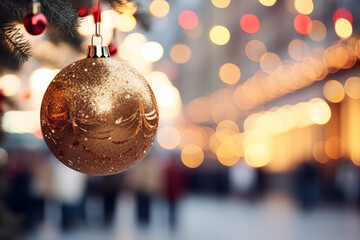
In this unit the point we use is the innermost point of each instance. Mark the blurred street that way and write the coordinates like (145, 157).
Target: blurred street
(212, 218)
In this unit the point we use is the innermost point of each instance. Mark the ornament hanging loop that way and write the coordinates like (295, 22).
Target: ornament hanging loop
(97, 50)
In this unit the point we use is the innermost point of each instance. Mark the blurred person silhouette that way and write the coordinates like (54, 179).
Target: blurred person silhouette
(145, 179)
(105, 188)
(174, 187)
(306, 185)
(242, 179)
(68, 191)
(347, 180)
(18, 196)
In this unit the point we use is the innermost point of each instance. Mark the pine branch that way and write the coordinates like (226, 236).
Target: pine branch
(14, 11)
(61, 14)
(14, 41)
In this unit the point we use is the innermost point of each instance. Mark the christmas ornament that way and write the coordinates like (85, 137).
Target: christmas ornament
(99, 116)
(82, 12)
(112, 49)
(35, 22)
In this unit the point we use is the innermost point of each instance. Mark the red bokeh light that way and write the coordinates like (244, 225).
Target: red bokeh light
(38, 134)
(249, 23)
(302, 24)
(188, 19)
(342, 13)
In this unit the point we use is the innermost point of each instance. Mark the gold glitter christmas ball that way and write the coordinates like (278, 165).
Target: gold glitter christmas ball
(99, 116)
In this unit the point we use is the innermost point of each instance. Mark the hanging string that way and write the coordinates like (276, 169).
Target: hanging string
(97, 20)
(98, 12)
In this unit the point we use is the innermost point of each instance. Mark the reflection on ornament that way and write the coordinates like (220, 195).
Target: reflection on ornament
(99, 116)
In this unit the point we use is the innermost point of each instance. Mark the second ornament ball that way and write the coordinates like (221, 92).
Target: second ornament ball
(35, 22)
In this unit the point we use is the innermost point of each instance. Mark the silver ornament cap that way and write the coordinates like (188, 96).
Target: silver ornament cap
(98, 51)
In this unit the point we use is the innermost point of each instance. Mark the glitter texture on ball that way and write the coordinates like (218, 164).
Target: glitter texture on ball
(99, 116)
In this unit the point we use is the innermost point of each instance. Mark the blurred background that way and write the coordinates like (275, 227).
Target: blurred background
(259, 133)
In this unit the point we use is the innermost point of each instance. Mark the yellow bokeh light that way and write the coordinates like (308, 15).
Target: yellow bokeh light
(157, 80)
(229, 73)
(269, 62)
(304, 6)
(254, 49)
(125, 22)
(159, 8)
(334, 91)
(41, 78)
(257, 155)
(225, 130)
(318, 31)
(320, 112)
(298, 49)
(333, 148)
(180, 53)
(21, 121)
(319, 152)
(168, 137)
(169, 102)
(343, 28)
(199, 110)
(219, 35)
(267, 3)
(352, 87)
(192, 156)
(9, 84)
(220, 3)
(152, 51)
(225, 156)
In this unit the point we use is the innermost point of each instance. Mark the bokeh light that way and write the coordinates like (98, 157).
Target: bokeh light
(188, 19)
(9, 84)
(168, 137)
(221, 3)
(229, 73)
(269, 62)
(320, 112)
(159, 8)
(267, 3)
(152, 51)
(41, 78)
(225, 155)
(304, 6)
(199, 110)
(333, 148)
(219, 35)
(298, 49)
(302, 24)
(257, 155)
(21, 121)
(180, 53)
(192, 156)
(125, 22)
(334, 91)
(352, 87)
(343, 28)
(318, 31)
(319, 152)
(254, 49)
(342, 13)
(249, 23)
